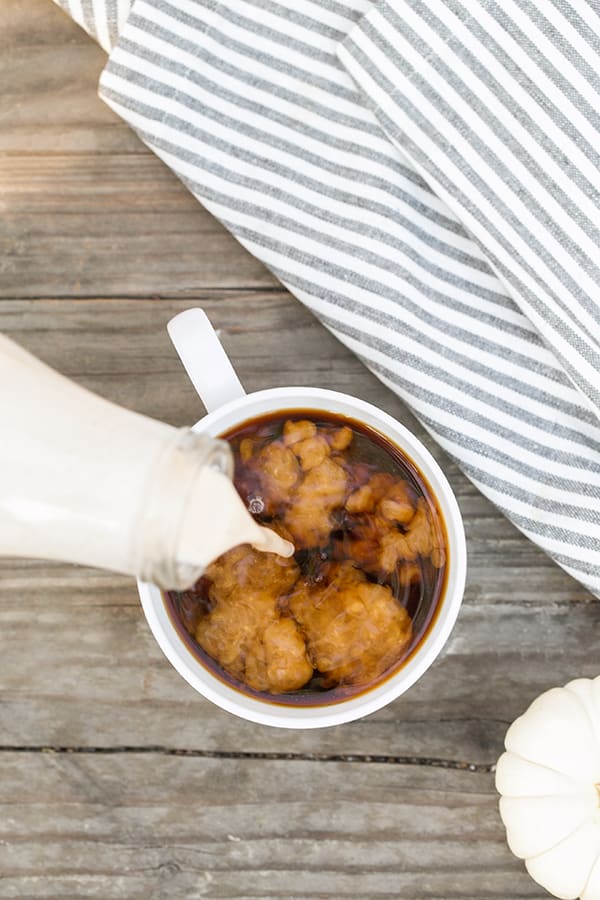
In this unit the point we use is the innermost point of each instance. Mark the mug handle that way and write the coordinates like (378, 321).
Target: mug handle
(204, 358)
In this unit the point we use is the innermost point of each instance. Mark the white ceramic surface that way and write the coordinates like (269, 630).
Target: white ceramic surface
(196, 342)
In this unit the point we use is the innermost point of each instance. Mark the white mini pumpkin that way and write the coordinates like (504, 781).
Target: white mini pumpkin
(549, 779)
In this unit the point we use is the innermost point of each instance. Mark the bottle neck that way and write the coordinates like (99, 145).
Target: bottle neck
(160, 552)
(193, 513)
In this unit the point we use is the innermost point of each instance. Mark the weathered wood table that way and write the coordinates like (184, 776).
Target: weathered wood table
(117, 780)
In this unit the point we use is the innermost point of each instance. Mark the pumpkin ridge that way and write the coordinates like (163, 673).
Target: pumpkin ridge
(593, 869)
(592, 723)
(532, 762)
(552, 850)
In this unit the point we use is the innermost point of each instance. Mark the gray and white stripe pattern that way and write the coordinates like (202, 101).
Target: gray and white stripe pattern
(509, 138)
(102, 19)
(414, 174)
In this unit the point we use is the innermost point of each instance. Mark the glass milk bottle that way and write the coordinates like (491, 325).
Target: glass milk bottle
(85, 481)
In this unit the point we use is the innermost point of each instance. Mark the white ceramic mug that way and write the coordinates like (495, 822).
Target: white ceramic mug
(228, 405)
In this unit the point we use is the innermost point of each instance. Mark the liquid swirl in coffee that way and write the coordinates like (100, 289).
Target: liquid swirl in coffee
(363, 586)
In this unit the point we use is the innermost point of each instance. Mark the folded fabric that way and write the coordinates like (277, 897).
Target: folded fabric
(419, 175)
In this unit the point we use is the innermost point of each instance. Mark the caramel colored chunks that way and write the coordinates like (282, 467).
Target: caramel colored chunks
(243, 570)
(354, 629)
(391, 528)
(299, 480)
(303, 430)
(309, 515)
(286, 666)
(279, 472)
(293, 432)
(416, 541)
(398, 504)
(271, 628)
(311, 452)
(245, 631)
(330, 613)
(392, 499)
(341, 438)
(366, 498)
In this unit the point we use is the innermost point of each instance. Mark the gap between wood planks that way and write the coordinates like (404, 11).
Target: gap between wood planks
(233, 754)
(206, 292)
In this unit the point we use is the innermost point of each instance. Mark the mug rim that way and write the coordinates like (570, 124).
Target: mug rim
(425, 653)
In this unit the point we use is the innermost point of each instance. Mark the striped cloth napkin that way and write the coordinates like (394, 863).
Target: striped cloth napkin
(424, 176)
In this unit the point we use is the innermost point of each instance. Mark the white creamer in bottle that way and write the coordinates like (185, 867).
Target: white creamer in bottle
(83, 480)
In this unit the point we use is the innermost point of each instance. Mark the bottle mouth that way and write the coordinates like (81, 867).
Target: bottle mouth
(269, 541)
(169, 493)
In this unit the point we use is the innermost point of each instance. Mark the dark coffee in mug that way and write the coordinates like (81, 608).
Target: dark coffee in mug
(364, 585)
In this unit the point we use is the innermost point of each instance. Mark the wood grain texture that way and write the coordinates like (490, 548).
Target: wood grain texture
(150, 791)
(86, 208)
(104, 224)
(148, 825)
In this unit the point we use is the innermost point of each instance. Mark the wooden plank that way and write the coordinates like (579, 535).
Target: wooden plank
(120, 348)
(99, 224)
(80, 667)
(49, 70)
(50, 100)
(92, 676)
(86, 208)
(151, 825)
